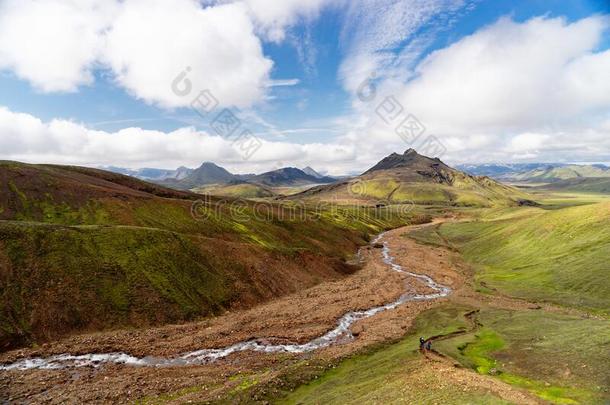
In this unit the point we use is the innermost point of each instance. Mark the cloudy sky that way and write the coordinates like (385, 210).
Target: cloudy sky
(255, 85)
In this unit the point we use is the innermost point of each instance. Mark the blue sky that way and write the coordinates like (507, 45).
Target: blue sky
(321, 50)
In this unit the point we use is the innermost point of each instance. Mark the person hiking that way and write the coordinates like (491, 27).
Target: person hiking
(422, 342)
(429, 345)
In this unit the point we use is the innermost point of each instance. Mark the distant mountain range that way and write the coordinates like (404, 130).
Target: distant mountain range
(150, 174)
(537, 172)
(209, 174)
(497, 170)
(553, 174)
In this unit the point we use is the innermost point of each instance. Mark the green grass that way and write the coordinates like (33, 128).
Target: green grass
(558, 256)
(120, 262)
(384, 374)
(464, 193)
(245, 190)
(583, 185)
(540, 352)
(65, 278)
(562, 359)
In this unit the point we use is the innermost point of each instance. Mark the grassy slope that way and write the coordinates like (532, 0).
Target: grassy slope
(559, 256)
(582, 185)
(390, 374)
(82, 249)
(562, 359)
(465, 192)
(244, 190)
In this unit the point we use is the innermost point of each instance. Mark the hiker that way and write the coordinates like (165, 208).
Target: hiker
(429, 345)
(422, 342)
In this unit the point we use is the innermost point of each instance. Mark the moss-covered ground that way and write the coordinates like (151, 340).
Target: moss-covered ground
(556, 253)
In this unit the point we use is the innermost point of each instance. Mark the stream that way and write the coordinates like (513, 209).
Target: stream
(340, 333)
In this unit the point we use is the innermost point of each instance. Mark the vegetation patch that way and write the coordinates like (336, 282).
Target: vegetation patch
(391, 373)
(560, 358)
(558, 256)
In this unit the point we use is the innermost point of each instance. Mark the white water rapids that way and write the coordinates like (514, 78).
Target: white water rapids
(341, 331)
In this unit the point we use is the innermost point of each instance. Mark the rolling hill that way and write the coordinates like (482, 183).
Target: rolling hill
(551, 174)
(599, 185)
(83, 250)
(557, 256)
(413, 178)
(237, 190)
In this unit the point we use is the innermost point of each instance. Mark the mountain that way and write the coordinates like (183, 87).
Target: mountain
(501, 170)
(288, 177)
(151, 174)
(86, 250)
(551, 174)
(413, 178)
(308, 170)
(208, 173)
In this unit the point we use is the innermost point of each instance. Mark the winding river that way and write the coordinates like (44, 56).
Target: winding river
(340, 333)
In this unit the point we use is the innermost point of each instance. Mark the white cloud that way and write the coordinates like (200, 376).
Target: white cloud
(533, 90)
(29, 139)
(375, 28)
(284, 83)
(54, 44)
(528, 142)
(152, 41)
(513, 75)
(273, 16)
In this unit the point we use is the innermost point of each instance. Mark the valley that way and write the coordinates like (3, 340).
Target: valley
(304, 202)
(303, 308)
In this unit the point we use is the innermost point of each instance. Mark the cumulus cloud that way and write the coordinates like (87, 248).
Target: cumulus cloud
(514, 75)
(533, 90)
(152, 41)
(27, 138)
(57, 45)
(54, 44)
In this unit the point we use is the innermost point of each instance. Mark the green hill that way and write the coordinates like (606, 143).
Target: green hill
(83, 249)
(582, 185)
(241, 190)
(413, 178)
(558, 256)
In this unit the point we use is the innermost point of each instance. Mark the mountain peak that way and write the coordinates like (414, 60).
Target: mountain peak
(308, 170)
(208, 164)
(409, 162)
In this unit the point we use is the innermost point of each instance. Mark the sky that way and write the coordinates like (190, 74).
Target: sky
(255, 85)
